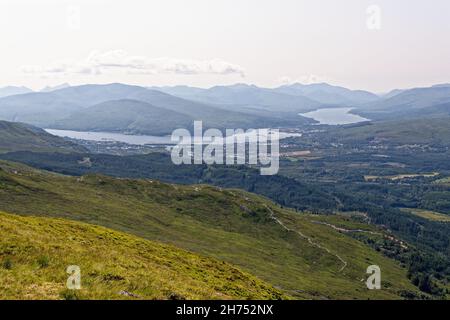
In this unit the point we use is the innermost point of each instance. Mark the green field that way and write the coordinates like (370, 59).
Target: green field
(402, 176)
(430, 215)
(445, 181)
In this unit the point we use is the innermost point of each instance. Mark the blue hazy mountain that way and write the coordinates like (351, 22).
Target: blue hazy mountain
(128, 116)
(328, 94)
(245, 96)
(64, 109)
(412, 103)
(12, 90)
(50, 88)
(392, 93)
(414, 99)
(36, 108)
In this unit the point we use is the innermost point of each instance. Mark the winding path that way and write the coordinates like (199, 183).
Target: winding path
(310, 240)
(346, 230)
(403, 244)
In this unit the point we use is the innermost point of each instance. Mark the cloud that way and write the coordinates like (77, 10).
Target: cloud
(305, 79)
(119, 61)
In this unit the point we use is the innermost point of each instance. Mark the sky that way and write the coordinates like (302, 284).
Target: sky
(372, 45)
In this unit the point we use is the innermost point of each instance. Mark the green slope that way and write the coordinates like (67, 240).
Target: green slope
(35, 253)
(434, 131)
(22, 137)
(231, 225)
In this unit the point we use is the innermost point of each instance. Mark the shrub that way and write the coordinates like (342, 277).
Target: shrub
(43, 261)
(7, 264)
(69, 295)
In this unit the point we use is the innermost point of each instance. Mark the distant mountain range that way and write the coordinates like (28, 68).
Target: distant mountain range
(50, 88)
(412, 103)
(297, 97)
(240, 95)
(11, 90)
(159, 110)
(413, 99)
(416, 102)
(328, 94)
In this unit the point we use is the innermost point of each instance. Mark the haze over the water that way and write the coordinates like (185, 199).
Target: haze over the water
(205, 43)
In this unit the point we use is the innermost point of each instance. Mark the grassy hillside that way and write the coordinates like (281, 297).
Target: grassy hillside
(283, 190)
(305, 259)
(418, 131)
(19, 137)
(35, 253)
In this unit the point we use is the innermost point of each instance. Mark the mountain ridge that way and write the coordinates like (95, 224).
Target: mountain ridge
(13, 90)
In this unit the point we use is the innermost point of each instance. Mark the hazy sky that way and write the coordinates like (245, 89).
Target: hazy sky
(209, 42)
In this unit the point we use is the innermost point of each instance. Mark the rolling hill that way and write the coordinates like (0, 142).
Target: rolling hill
(290, 251)
(127, 116)
(432, 131)
(35, 253)
(23, 137)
